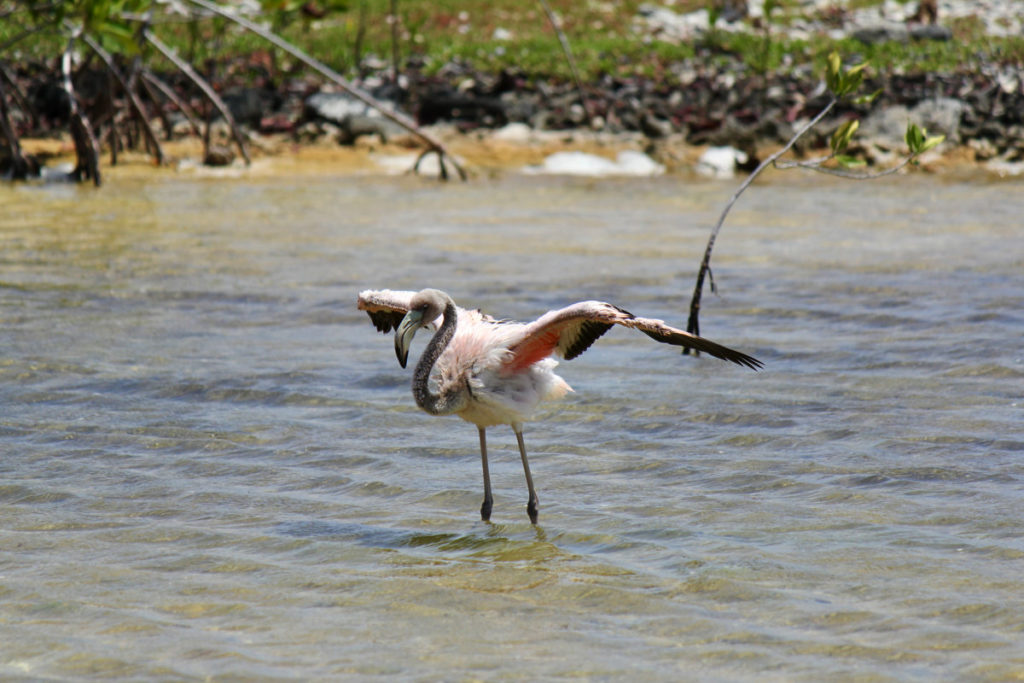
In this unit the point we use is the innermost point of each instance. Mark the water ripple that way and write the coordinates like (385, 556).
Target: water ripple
(213, 468)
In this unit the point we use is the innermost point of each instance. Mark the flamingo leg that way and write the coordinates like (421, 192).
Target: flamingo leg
(531, 505)
(485, 509)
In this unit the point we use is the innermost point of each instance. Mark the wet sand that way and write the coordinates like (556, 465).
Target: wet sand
(483, 152)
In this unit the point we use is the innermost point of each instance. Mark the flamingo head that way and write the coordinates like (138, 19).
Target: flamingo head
(424, 308)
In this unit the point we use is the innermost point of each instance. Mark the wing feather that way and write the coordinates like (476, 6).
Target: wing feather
(567, 332)
(571, 331)
(578, 340)
(385, 307)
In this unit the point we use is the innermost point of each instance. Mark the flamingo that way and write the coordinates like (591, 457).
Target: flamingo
(493, 372)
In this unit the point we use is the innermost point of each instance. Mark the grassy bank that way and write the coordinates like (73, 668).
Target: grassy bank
(511, 34)
(604, 40)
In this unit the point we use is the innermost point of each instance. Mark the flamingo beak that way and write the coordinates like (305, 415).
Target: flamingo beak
(404, 333)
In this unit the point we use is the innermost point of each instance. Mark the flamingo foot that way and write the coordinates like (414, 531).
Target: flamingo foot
(485, 509)
(532, 509)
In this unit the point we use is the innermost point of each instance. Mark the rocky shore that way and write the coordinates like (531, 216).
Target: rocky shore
(497, 119)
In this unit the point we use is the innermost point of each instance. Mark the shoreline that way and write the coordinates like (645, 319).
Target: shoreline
(484, 153)
(713, 111)
(498, 123)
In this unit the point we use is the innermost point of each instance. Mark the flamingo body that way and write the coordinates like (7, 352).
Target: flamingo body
(491, 372)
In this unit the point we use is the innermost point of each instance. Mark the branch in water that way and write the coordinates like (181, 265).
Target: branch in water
(133, 99)
(201, 83)
(18, 96)
(86, 149)
(693, 324)
(20, 166)
(364, 97)
(150, 79)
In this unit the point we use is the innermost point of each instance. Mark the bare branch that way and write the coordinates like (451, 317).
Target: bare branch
(86, 148)
(17, 37)
(20, 166)
(364, 97)
(23, 103)
(201, 83)
(815, 165)
(693, 324)
(393, 19)
(150, 79)
(806, 163)
(133, 99)
(153, 94)
(357, 46)
(567, 49)
(30, 8)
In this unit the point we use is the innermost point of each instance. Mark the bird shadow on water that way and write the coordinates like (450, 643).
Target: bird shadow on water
(498, 541)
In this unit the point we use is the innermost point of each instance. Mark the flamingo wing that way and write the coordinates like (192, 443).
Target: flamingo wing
(570, 331)
(385, 307)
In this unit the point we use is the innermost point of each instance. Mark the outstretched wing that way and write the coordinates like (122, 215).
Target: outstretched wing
(571, 330)
(385, 307)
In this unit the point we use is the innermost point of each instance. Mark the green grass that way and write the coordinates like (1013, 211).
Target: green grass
(601, 35)
(603, 40)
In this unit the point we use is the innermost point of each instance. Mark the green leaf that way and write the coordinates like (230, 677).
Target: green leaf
(842, 136)
(832, 72)
(857, 68)
(868, 99)
(915, 138)
(933, 141)
(840, 82)
(117, 36)
(849, 82)
(850, 162)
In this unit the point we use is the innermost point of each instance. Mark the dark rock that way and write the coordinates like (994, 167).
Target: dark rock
(873, 35)
(519, 107)
(352, 117)
(20, 168)
(248, 106)
(50, 101)
(446, 105)
(654, 127)
(219, 155)
(931, 32)
(883, 33)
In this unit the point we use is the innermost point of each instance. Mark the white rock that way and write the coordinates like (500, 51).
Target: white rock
(720, 162)
(1006, 169)
(628, 163)
(401, 164)
(638, 164)
(514, 132)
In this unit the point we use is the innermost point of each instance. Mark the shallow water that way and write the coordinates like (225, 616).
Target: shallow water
(212, 466)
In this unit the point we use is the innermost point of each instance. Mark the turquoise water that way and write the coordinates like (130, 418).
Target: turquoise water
(213, 468)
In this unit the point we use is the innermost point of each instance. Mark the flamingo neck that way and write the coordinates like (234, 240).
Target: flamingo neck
(451, 398)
